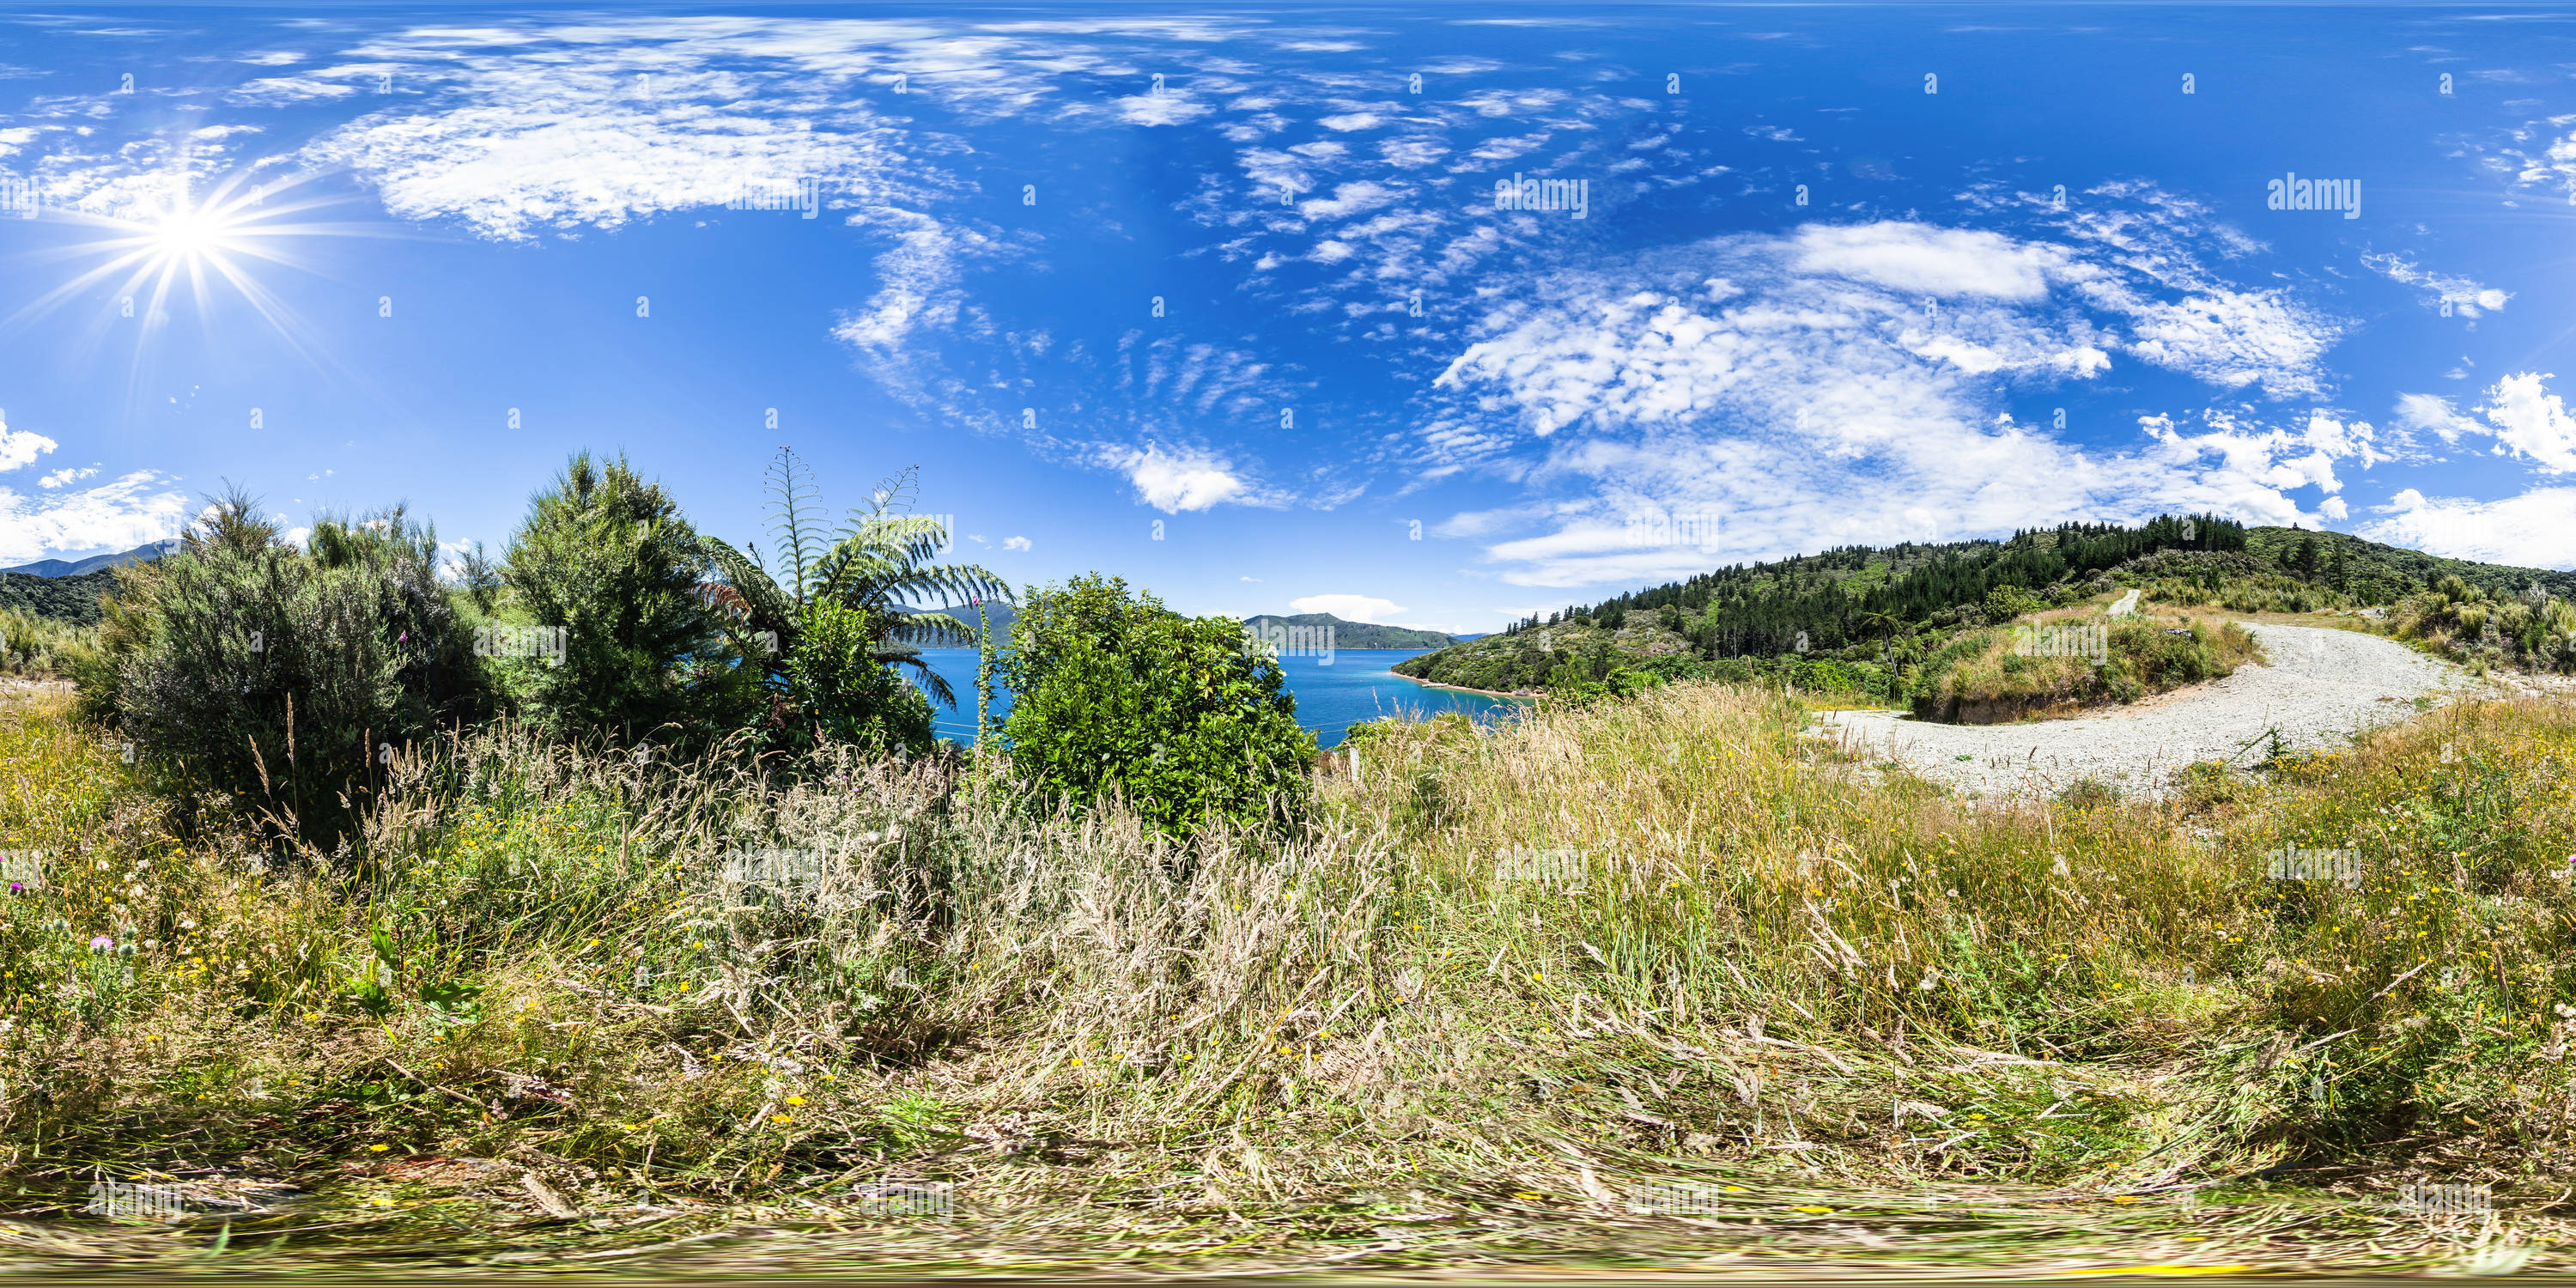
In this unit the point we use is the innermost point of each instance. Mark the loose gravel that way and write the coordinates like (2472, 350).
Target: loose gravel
(2320, 687)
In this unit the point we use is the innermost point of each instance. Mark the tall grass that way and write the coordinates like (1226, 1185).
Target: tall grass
(1650, 936)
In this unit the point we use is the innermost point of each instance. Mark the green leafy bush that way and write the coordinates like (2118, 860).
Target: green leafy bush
(1181, 716)
(839, 685)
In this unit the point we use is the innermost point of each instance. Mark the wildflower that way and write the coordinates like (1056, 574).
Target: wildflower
(796, 1100)
(377, 1149)
(101, 944)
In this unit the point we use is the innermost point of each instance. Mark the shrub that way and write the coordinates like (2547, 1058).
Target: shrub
(283, 677)
(41, 646)
(605, 556)
(1180, 716)
(837, 682)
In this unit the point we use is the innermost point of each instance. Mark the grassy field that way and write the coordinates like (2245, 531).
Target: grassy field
(566, 1005)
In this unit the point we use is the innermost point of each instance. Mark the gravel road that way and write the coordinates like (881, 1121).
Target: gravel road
(2321, 685)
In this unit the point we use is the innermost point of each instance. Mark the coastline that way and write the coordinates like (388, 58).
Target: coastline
(1460, 688)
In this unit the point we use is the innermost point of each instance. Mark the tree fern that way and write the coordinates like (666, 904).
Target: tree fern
(883, 562)
(798, 526)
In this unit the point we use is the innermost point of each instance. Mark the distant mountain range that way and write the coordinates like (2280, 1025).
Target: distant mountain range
(63, 568)
(1346, 634)
(1354, 634)
(68, 590)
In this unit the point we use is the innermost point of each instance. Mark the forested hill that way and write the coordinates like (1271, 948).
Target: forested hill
(72, 599)
(1854, 593)
(1893, 604)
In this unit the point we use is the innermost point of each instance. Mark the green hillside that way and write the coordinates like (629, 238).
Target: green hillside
(71, 599)
(1868, 618)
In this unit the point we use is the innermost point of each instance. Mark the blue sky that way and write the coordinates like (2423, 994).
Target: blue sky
(1241, 278)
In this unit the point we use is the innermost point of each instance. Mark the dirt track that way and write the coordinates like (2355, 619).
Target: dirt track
(2319, 686)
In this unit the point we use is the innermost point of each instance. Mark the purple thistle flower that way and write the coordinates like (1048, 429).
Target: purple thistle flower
(101, 944)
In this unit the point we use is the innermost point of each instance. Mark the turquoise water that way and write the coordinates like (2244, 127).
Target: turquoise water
(1330, 699)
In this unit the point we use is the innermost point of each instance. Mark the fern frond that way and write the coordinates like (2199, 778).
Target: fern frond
(802, 538)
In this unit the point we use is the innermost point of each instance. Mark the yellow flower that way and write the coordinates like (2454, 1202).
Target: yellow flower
(796, 1100)
(377, 1149)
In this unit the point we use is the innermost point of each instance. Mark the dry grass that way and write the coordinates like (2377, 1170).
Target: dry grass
(1505, 981)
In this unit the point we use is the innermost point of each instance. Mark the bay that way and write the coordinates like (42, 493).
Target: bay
(1357, 686)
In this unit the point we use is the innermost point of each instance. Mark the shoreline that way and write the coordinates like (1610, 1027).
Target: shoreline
(1460, 688)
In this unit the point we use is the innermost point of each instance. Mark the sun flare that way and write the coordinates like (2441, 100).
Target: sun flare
(186, 243)
(186, 234)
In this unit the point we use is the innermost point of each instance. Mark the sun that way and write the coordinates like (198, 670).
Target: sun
(188, 234)
(171, 238)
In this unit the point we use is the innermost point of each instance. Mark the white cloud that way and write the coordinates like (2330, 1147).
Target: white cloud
(20, 447)
(1350, 608)
(67, 474)
(1159, 109)
(1792, 394)
(1347, 121)
(117, 515)
(281, 91)
(1185, 480)
(1925, 260)
(1349, 199)
(2467, 298)
(2528, 420)
(2432, 413)
(1015, 543)
(2527, 531)
(2235, 339)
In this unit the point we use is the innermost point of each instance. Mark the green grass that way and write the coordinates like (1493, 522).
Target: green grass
(1775, 971)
